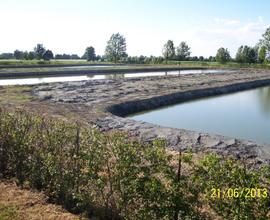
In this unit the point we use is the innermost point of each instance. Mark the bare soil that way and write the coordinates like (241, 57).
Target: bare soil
(23, 204)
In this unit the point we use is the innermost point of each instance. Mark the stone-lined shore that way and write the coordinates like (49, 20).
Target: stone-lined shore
(108, 100)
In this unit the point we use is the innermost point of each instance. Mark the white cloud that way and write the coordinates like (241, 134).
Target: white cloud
(204, 40)
(227, 33)
(222, 21)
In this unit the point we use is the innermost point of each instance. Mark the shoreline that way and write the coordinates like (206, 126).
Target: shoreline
(107, 100)
(127, 108)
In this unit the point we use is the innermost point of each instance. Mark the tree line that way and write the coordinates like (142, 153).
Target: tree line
(260, 53)
(39, 52)
(116, 52)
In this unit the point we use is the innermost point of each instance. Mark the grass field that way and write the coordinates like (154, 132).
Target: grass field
(216, 64)
(171, 62)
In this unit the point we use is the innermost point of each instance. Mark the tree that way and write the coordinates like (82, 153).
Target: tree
(25, 55)
(252, 55)
(183, 51)
(47, 55)
(265, 42)
(239, 55)
(18, 54)
(262, 54)
(39, 51)
(201, 58)
(266, 39)
(74, 57)
(90, 54)
(223, 55)
(212, 59)
(246, 54)
(168, 50)
(31, 55)
(116, 48)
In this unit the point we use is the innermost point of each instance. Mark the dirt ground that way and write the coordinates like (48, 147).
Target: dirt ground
(23, 204)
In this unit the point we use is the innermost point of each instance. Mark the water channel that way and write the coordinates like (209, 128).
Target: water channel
(244, 115)
(38, 80)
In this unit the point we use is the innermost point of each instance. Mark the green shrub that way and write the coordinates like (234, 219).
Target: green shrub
(234, 181)
(113, 176)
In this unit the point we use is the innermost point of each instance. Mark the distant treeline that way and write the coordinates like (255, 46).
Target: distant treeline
(116, 52)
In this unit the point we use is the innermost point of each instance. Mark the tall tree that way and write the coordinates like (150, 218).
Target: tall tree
(183, 51)
(90, 54)
(265, 42)
(251, 55)
(18, 54)
(223, 55)
(246, 54)
(266, 39)
(39, 51)
(25, 55)
(239, 54)
(31, 55)
(262, 54)
(47, 55)
(116, 48)
(168, 50)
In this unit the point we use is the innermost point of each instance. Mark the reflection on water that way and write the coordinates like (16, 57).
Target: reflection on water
(243, 114)
(264, 99)
(115, 76)
(85, 67)
(37, 80)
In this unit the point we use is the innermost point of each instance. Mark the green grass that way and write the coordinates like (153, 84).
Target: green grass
(216, 64)
(170, 62)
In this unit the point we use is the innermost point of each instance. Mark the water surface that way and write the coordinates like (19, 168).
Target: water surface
(244, 115)
(38, 80)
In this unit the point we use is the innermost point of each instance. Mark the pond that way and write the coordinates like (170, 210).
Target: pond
(38, 80)
(244, 115)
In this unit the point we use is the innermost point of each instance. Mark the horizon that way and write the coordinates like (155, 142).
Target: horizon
(145, 25)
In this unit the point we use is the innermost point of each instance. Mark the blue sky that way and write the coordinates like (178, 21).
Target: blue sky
(69, 26)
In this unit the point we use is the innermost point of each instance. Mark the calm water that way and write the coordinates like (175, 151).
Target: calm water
(243, 115)
(85, 67)
(37, 80)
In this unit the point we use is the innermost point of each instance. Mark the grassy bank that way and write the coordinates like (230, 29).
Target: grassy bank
(42, 62)
(30, 63)
(113, 176)
(218, 65)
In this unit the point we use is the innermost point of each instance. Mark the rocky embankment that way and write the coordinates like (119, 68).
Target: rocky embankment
(109, 100)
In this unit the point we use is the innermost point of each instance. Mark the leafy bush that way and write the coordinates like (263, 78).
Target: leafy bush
(234, 181)
(113, 176)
